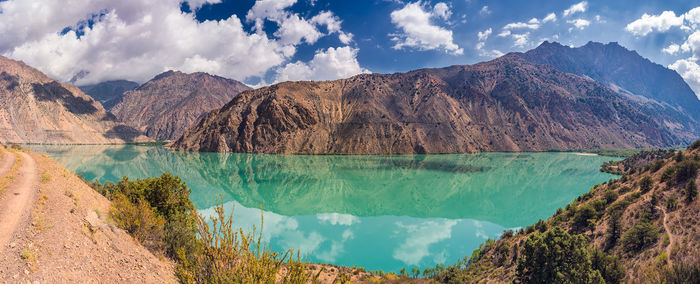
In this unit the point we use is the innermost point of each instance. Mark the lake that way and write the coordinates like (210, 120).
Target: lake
(379, 212)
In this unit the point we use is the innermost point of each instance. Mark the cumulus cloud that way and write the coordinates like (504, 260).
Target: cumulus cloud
(551, 17)
(579, 23)
(484, 11)
(328, 64)
(419, 31)
(420, 237)
(688, 22)
(690, 71)
(441, 10)
(648, 23)
(672, 49)
(484, 35)
(521, 40)
(136, 40)
(576, 8)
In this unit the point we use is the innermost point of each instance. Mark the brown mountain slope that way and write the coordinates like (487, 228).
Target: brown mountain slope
(37, 109)
(645, 219)
(173, 101)
(507, 104)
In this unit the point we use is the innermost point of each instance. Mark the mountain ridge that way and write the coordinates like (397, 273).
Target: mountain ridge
(38, 109)
(166, 105)
(501, 105)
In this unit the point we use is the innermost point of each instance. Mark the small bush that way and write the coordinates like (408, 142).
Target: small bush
(584, 216)
(691, 191)
(140, 221)
(645, 184)
(671, 203)
(686, 170)
(640, 236)
(611, 196)
(695, 145)
(15, 146)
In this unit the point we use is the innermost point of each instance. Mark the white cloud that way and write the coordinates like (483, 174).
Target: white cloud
(504, 33)
(672, 49)
(337, 219)
(693, 16)
(551, 17)
(419, 32)
(332, 63)
(441, 10)
(521, 25)
(521, 40)
(690, 71)
(136, 40)
(579, 23)
(484, 35)
(648, 23)
(484, 11)
(420, 237)
(576, 8)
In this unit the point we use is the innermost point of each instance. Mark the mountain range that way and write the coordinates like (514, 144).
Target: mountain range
(512, 103)
(37, 109)
(550, 98)
(164, 107)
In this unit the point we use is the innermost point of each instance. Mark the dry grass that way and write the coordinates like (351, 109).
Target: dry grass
(6, 180)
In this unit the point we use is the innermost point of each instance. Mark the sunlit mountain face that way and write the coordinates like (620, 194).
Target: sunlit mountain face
(380, 212)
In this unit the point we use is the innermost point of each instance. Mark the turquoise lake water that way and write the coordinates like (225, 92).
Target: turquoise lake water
(377, 212)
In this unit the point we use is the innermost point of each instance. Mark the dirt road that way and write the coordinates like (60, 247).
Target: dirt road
(16, 204)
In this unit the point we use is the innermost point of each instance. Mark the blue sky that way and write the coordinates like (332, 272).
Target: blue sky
(266, 41)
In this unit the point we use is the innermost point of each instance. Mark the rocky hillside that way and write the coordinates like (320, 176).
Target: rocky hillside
(109, 93)
(629, 74)
(37, 109)
(640, 228)
(167, 105)
(508, 104)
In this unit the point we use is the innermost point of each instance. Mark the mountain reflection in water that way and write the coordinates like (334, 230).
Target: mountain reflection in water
(380, 212)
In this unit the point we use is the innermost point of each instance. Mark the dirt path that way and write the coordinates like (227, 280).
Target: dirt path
(671, 238)
(6, 162)
(16, 205)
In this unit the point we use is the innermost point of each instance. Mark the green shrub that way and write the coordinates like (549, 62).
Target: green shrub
(556, 257)
(691, 191)
(678, 157)
(656, 166)
(686, 170)
(583, 217)
(167, 197)
(609, 266)
(671, 203)
(640, 236)
(541, 226)
(668, 174)
(695, 145)
(140, 221)
(645, 184)
(611, 196)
